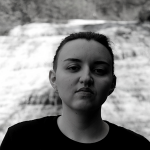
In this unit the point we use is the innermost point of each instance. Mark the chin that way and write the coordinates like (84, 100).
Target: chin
(86, 107)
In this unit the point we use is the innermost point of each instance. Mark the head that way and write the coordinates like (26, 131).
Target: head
(83, 60)
(100, 38)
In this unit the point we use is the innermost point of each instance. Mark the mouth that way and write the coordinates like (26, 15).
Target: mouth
(85, 90)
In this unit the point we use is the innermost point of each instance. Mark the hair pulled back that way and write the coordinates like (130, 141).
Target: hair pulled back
(100, 38)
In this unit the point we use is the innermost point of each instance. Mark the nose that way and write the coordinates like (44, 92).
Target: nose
(86, 77)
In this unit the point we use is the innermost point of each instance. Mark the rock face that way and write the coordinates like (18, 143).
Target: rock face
(26, 56)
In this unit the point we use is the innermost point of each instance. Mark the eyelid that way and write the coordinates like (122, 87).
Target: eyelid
(100, 67)
(73, 66)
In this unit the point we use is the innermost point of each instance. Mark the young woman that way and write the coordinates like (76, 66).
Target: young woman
(83, 75)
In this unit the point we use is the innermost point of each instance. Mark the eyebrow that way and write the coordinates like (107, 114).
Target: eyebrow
(73, 59)
(99, 62)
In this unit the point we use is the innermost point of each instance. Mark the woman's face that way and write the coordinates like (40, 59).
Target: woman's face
(83, 64)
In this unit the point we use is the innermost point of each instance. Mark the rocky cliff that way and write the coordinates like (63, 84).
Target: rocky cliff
(16, 12)
(26, 55)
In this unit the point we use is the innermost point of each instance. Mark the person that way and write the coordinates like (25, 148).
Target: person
(83, 75)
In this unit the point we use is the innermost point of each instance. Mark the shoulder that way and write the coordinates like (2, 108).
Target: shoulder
(126, 135)
(34, 133)
(33, 125)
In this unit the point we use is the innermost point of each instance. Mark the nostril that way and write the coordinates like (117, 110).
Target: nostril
(86, 80)
(86, 77)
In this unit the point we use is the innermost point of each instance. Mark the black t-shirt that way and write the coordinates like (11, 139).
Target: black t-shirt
(44, 134)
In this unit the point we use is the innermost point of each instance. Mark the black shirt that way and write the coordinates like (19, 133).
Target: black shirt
(44, 134)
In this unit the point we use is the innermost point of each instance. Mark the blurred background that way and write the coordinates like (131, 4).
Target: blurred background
(31, 30)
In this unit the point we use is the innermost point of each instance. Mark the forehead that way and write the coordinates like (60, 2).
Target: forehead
(86, 50)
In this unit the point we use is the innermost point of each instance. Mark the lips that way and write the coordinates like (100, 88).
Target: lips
(85, 90)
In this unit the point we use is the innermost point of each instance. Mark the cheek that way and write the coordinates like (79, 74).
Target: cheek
(104, 86)
(64, 83)
(103, 89)
(61, 83)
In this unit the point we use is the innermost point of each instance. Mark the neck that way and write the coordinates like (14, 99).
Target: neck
(82, 127)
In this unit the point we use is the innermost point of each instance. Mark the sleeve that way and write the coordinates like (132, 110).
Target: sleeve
(7, 142)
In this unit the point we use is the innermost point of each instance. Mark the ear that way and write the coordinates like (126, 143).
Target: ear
(52, 79)
(113, 85)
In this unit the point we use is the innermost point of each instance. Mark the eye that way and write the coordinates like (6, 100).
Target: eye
(99, 71)
(73, 68)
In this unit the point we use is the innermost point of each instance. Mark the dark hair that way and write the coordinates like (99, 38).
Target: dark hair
(102, 39)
